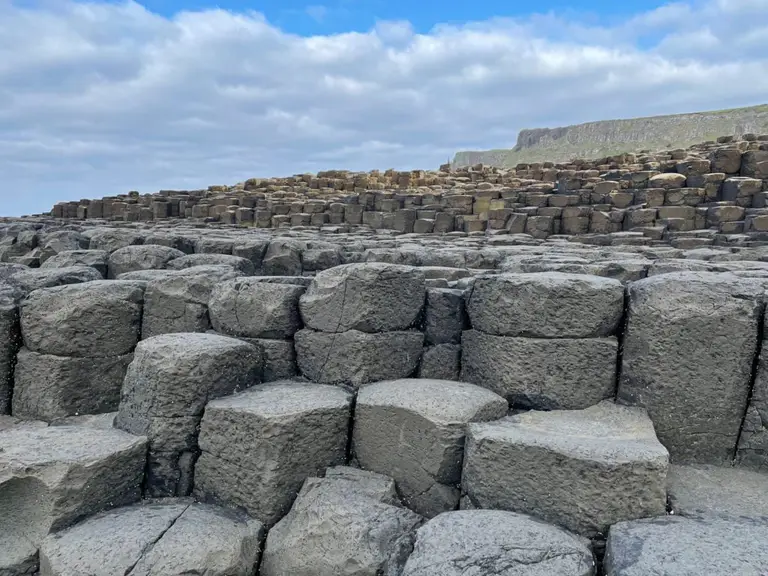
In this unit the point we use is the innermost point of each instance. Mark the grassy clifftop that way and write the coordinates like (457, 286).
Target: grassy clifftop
(608, 137)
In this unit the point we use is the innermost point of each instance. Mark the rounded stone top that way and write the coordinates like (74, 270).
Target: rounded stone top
(284, 398)
(189, 343)
(442, 401)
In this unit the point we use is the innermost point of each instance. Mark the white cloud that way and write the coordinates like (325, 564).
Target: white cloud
(98, 99)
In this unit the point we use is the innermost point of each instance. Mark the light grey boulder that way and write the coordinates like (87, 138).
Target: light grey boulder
(297, 280)
(496, 542)
(190, 260)
(413, 430)
(444, 316)
(90, 320)
(537, 373)
(725, 491)
(252, 249)
(241, 307)
(173, 537)
(283, 257)
(546, 305)
(10, 342)
(345, 524)
(47, 387)
(179, 241)
(371, 297)
(145, 257)
(111, 239)
(688, 350)
(259, 446)
(356, 358)
(583, 469)
(676, 546)
(51, 477)
(167, 386)
(55, 243)
(441, 362)
(214, 245)
(32, 279)
(146, 275)
(104, 421)
(97, 259)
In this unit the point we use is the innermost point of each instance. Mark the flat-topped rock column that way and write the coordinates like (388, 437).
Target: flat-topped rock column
(167, 386)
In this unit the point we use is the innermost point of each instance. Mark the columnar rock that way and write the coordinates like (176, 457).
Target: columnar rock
(678, 546)
(444, 316)
(349, 522)
(172, 536)
(282, 258)
(146, 257)
(10, 341)
(441, 362)
(355, 357)
(190, 260)
(414, 430)
(167, 386)
(259, 446)
(583, 469)
(51, 477)
(689, 345)
(254, 309)
(371, 297)
(752, 450)
(111, 239)
(279, 358)
(492, 542)
(97, 259)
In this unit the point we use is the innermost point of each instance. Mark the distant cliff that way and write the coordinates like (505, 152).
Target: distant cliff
(608, 137)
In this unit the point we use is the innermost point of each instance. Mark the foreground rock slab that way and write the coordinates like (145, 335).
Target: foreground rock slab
(259, 446)
(171, 379)
(413, 430)
(346, 524)
(493, 543)
(171, 537)
(676, 546)
(583, 469)
(51, 477)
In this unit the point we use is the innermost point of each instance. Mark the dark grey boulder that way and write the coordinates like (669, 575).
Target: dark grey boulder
(444, 316)
(146, 257)
(441, 362)
(97, 259)
(283, 258)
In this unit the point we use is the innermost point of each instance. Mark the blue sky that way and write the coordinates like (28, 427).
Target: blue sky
(102, 97)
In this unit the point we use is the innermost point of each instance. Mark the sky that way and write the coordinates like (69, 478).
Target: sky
(100, 98)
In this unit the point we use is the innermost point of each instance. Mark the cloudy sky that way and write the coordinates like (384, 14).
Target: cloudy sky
(105, 97)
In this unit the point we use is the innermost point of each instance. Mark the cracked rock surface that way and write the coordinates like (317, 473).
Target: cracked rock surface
(496, 543)
(171, 537)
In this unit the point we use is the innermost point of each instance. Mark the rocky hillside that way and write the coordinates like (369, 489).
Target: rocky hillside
(609, 137)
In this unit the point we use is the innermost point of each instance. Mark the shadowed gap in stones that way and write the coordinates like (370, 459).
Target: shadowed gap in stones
(752, 376)
(621, 332)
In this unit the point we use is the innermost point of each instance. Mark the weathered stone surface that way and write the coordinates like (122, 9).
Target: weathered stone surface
(725, 491)
(370, 297)
(752, 450)
(177, 304)
(10, 342)
(111, 239)
(345, 524)
(29, 280)
(441, 362)
(546, 305)
(51, 477)
(413, 430)
(688, 350)
(493, 543)
(539, 373)
(169, 537)
(241, 307)
(146, 257)
(282, 258)
(279, 358)
(89, 320)
(445, 316)
(584, 469)
(259, 446)
(676, 546)
(171, 379)
(357, 358)
(97, 259)
(48, 387)
(190, 260)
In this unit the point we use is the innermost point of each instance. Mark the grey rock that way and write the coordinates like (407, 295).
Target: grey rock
(356, 358)
(537, 373)
(89, 320)
(706, 490)
(546, 305)
(259, 446)
(414, 430)
(169, 537)
(147, 275)
(297, 280)
(96, 259)
(61, 241)
(147, 257)
(241, 307)
(48, 387)
(283, 258)
(495, 542)
(191, 260)
(444, 316)
(338, 527)
(372, 297)
(212, 245)
(180, 242)
(10, 342)
(171, 379)
(279, 358)
(104, 421)
(34, 279)
(752, 451)
(111, 239)
(253, 250)
(584, 469)
(687, 358)
(51, 477)
(441, 362)
(676, 546)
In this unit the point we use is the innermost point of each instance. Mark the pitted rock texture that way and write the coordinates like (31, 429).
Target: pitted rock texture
(146, 257)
